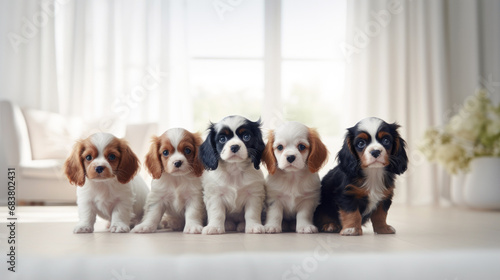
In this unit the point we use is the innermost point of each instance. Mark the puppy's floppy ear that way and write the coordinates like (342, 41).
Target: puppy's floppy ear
(268, 157)
(208, 152)
(256, 152)
(347, 159)
(73, 166)
(129, 163)
(197, 164)
(152, 160)
(318, 154)
(398, 160)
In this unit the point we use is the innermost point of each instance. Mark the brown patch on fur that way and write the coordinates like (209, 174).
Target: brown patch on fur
(268, 157)
(90, 150)
(305, 150)
(381, 134)
(225, 131)
(326, 224)
(193, 142)
(241, 130)
(331, 227)
(389, 192)
(112, 148)
(361, 154)
(74, 167)
(356, 191)
(396, 145)
(349, 144)
(379, 223)
(152, 161)
(128, 163)
(350, 220)
(318, 154)
(363, 135)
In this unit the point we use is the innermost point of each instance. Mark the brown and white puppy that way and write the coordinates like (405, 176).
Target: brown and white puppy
(362, 185)
(176, 188)
(105, 168)
(294, 154)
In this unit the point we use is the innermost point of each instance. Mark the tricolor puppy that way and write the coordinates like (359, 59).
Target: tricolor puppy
(361, 186)
(176, 189)
(233, 185)
(105, 168)
(294, 154)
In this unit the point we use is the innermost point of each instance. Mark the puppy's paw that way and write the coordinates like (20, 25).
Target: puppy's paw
(193, 229)
(241, 227)
(144, 228)
(330, 227)
(307, 229)
(176, 224)
(230, 225)
(352, 231)
(119, 228)
(272, 228)
(255, 228)
(384, 230)
(210, 230)
(83, 229)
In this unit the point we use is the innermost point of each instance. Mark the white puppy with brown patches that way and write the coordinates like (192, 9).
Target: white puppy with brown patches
(176, 188)
(294, 154)
(104, 167)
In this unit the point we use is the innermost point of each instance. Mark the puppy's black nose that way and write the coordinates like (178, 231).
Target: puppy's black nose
(290, 159)
(178, 163)
(375, 153)
(235, 148)
(99, 169)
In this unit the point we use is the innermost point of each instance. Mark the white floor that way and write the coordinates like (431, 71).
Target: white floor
(430, 243)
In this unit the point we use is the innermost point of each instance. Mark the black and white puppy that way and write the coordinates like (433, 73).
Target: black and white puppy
(233, 186)
(362, 185)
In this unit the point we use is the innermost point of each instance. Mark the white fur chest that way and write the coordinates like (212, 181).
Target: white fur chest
(176, 192)
(103, 196)
(375, 187)
(233, 184)
(292, 189)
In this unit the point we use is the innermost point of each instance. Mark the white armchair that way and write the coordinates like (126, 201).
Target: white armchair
(36, 143)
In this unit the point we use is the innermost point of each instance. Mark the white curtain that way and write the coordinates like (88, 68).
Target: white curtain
(27, 54)
(109, 62)
(414, 62)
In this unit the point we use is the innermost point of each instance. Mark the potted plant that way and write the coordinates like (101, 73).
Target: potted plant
(470, 143)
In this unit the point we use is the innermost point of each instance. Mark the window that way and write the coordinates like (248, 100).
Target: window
(229, 68)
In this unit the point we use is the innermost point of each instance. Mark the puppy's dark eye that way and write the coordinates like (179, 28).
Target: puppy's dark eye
(222, 139)
(361, 144)
(187, 151)
(386, 141)
(247, 137)
(166, 153)
(301, 147)
(280, 147)
(89, 157)
(111, 157)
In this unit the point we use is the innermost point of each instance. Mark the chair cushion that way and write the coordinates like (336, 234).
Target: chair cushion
(51, 135)
(44, 168)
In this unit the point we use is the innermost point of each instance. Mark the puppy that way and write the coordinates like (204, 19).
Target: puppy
(294, 154)
(361, 186)
(176, 189)
(234, 184)
(105, 168)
